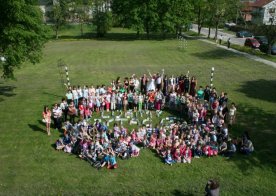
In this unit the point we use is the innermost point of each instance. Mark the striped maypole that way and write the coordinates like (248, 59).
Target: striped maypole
(212, 76)
(67, 77)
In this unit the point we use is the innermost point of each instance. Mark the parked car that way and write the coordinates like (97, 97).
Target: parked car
(244, 34)
(264, 48)
(229, 24)
(261, 39)
(252, 42)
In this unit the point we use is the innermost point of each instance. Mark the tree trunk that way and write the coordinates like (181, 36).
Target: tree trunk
(138, 33)
(81, 28)
(199, 23)
(216, 32)
(147, 30)
(269, 49)
(56, 30)
(209, 32)
(199, 29)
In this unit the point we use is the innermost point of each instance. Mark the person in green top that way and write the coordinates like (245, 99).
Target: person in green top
(130, 100)
(122, 89)
(200, 93)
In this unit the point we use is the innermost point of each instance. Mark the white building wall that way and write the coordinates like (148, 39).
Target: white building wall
(270, 13)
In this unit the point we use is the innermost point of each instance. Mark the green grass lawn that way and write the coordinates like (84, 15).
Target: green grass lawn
(29, 165)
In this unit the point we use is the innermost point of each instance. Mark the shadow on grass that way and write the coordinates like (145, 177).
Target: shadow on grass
(44, 125)
(36, 128)
(53, 95)
(180, 193)
(216, 53)
(261, 128)
(120, 37)
(260, 89)
(6, 91)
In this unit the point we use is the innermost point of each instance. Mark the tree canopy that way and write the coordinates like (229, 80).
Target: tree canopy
(22, 34)
(163, 16)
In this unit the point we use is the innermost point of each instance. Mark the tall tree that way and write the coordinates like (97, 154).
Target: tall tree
(149, 15)
(219, 7)
(209, 16)
(153, 15)
(182, 14)
(128, 13)
(22, 34)
(60, 14)
(222, 10)
(102, 17)
(199, 7)
(82, 9)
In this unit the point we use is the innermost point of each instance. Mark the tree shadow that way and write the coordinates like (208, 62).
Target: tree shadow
(260, 89)
(216, 53)
(261, 128)
(120, 37)
(6, 91)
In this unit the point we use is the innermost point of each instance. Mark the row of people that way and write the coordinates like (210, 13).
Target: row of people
(194, 107)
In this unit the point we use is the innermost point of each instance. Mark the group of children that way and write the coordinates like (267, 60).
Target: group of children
(207, 112)
(152, 92)
(178, 142)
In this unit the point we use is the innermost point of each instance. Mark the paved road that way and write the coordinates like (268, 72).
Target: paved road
(253, 57)
(225, 36)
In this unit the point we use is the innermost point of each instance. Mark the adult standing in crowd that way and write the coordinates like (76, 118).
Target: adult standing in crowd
(47, 118)
(186, 83)
(159, 79)
(151, 83)
(193, 86)
(144, 81)
(72, 112)
(57, 114)
(64, 108)
(69, 96)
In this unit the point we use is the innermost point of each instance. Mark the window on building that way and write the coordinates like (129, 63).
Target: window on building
(272, 10)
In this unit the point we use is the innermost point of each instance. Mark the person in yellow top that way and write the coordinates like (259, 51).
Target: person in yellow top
(47, 118)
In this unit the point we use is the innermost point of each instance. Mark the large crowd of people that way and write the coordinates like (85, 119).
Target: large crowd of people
(204, 132)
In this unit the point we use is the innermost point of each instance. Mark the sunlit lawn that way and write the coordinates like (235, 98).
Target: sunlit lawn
(29, 164)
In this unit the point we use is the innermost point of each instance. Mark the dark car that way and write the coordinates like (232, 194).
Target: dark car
(264, 48)
(252, 42)
(244, 34)
(261, 39)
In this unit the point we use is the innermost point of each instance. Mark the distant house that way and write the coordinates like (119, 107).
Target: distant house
(260, 11)
(46, 6)
(269, 13)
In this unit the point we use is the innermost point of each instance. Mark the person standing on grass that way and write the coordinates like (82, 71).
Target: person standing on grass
(75, 96)
(72, 112)
(144, 82)
(57, 114)
(69, 96)
(151, 83)
(228, 42)
(47, 118)
(232, 114)
(193, 84)
(64, 108)
(220, 39)
(186, 83)
(212, 188)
